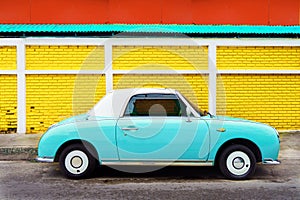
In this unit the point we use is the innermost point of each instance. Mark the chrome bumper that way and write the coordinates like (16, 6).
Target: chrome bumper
(270, 162)
(48, 160)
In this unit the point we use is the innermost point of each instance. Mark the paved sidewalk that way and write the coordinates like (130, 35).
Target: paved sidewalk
(18, 147)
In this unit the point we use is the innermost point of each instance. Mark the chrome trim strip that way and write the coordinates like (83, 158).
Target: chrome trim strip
(130, 129)
(154, 163)
(269, 161)
(48, 160)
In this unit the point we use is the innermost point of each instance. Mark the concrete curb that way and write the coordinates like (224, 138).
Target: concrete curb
(19, 147)
(18, 153)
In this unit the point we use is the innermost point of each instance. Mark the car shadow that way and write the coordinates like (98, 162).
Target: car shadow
(119, 174)
(176, 173)
(165, 173)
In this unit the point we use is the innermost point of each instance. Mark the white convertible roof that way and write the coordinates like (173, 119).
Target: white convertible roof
(135, 91)
(112, 104)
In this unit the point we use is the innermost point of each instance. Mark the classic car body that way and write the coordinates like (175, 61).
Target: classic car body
(147, 126)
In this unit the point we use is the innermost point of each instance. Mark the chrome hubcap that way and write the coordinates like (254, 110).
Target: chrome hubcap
(238, 163)
(76, 162)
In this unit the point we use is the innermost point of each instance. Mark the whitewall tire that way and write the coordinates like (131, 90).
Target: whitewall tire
(237, 162)
(76, 162)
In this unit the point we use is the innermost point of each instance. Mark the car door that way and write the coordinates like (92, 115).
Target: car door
(154, 127)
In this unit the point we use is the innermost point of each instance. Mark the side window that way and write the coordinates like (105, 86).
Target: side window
(154, 105)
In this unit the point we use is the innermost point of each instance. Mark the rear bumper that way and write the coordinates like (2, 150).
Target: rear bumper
(269, 161)
(47, 160)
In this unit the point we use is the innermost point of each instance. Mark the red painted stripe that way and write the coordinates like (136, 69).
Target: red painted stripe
(255, 12)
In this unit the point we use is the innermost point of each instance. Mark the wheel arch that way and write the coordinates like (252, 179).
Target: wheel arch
(248, 143)
(89, 147)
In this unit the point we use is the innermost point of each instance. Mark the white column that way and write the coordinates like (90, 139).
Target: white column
(108, 66)
(212, 82)
(21, 88)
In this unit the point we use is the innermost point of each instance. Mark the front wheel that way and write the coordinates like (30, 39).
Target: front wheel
(237, 162)
(76, 162)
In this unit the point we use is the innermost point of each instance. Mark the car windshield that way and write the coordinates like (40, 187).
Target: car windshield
(195, 107)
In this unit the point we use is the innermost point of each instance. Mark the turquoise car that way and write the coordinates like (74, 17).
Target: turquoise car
(156, 127)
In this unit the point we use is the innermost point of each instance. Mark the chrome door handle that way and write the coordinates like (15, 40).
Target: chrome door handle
(130, 129)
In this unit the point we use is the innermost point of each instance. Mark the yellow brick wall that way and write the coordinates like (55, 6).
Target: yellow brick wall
(64, 57)
(8, 58)
(271, 99)
(263, 58)
(160, 58)
(51, 98)
(193, 87)
(8, 103)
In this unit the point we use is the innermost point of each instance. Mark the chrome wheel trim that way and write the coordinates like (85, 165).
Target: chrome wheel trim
(238, 163)
(76, 162)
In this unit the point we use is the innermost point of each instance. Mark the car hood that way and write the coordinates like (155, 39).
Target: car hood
(73, 119)
(78, 118)
(234, 119)
(226, 118)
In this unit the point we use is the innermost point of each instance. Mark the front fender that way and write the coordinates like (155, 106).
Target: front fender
(263, 136)
(54, 138)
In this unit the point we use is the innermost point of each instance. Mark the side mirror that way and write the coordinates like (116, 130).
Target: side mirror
(188, 114)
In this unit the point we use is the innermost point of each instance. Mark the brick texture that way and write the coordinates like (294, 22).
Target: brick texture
(8, 103)
(263, 58)
(271, 99)
(160, 58)
(51, 98)
(64, 57)
(8, 58)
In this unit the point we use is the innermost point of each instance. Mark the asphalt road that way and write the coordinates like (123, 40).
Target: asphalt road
(30, 180)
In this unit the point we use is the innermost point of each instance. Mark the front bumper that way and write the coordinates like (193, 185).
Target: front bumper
(47, 160)
(269, 161)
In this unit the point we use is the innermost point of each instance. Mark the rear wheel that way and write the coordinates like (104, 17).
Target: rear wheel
(237, 162)
(76, 162)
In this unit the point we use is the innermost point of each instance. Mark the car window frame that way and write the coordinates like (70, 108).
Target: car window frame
(176, 93)
(129, 100)
(193, 112)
